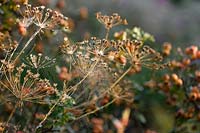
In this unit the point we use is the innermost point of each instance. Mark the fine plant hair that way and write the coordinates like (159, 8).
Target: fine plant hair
(95, 67)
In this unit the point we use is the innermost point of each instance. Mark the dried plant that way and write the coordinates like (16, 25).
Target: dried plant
(110, 21)
(94, 67)
(38, 61)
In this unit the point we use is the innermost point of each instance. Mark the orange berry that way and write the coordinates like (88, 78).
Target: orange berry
(186, 61)
(21, 29)
(179, 82)
(195, 89)
(166, 77)
(83, 13)
(64, 69)
(167, 48)
(60, 4)
(191, 50)
(198, 54)
(193, 96)
(174, 77)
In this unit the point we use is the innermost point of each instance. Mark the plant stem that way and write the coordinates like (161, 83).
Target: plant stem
(27, 43)
(47, 115)
(15, 49)
(120, 78)
(107, 33)
(11, 114)
(113, 85)
(51, 109)
(94, 111)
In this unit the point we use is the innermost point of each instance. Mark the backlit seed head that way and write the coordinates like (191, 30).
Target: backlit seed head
(110, 21)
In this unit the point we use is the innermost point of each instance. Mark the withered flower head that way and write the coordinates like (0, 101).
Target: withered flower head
(110, 21)
(42, 17)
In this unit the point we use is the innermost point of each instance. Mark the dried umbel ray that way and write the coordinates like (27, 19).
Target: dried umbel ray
(89, 59)
(6, 44)
(110, 21)
(115, 57)
(28, 88)
(126, 52)
(42, 17)
(39, 61)
(112, 58)
(19, 84)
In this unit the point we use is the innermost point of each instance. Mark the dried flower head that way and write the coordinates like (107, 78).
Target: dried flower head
(110, 21)
(38, 61)
(28, 88)
(7, 45)
(41, 17)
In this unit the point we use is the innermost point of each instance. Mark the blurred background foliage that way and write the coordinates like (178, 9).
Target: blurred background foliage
(175, 21)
